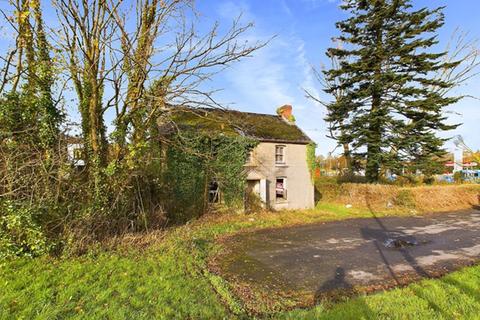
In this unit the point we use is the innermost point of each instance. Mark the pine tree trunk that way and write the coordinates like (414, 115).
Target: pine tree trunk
(348, 159)
(372, 172)
(374, 137)
(374, 151)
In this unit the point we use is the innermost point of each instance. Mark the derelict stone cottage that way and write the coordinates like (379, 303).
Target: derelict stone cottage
(277, 169)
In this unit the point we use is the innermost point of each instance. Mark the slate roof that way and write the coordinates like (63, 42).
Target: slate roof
(263, 127)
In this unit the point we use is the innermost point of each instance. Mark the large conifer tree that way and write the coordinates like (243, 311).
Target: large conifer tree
(392, 109)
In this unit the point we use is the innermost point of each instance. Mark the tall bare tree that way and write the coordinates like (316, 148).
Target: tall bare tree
(87, 31)
(139, 61)
(164, 63)
(461, 47)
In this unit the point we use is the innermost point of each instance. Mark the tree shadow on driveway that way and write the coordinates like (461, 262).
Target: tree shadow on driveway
(379, 236)
(338, 282)
(339, 289)
(335, 288)
(338, 286)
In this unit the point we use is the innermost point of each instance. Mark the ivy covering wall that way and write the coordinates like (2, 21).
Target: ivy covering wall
(311, 161)
(193, 161)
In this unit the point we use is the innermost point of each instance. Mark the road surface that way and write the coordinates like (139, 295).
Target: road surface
(370, 253)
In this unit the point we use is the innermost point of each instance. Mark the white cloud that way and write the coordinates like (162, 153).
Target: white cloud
(276, 75)
(285, 7)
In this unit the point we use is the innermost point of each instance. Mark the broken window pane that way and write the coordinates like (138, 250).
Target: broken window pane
(213, 194)
(281, 189)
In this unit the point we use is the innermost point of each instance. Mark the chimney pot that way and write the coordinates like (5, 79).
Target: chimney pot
(285, 112)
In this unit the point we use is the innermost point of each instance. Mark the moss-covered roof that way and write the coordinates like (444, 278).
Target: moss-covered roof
(263, 127)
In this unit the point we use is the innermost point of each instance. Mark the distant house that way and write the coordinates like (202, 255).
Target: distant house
(277, 169)
(75, 151)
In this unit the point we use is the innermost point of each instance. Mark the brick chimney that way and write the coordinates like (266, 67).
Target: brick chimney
(285, 112)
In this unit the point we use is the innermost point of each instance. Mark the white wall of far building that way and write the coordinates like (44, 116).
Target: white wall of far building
(299, 185)
(74, 151)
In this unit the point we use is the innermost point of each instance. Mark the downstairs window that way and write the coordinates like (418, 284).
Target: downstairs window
(281, 189)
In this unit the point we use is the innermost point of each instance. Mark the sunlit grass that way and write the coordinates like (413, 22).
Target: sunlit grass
(157, 285)
(170, 280)
(455, 296)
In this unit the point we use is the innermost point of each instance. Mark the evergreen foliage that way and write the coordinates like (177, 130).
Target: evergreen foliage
(392, 109)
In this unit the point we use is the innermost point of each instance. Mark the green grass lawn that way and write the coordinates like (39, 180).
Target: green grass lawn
(170, 280)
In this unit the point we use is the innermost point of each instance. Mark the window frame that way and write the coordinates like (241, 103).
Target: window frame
(283, 154)
(284, 198)
(214, 192)
(77, 154)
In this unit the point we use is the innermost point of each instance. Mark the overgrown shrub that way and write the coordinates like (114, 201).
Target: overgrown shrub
(327, 188)
(429, 180)
(348, 177)
(20, 232)
(148, 189)
(253, 203)
(408, 180)
(458, 177)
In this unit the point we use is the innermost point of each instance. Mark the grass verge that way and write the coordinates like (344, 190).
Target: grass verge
(170, 280)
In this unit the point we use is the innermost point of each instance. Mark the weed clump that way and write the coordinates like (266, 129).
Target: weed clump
(405, 199)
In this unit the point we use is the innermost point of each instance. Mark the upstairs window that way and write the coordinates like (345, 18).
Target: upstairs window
(281, 189)
(280, 154)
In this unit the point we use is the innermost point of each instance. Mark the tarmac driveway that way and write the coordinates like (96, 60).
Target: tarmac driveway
(367, 253)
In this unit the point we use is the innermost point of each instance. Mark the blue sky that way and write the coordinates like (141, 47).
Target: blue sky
(278, 73)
